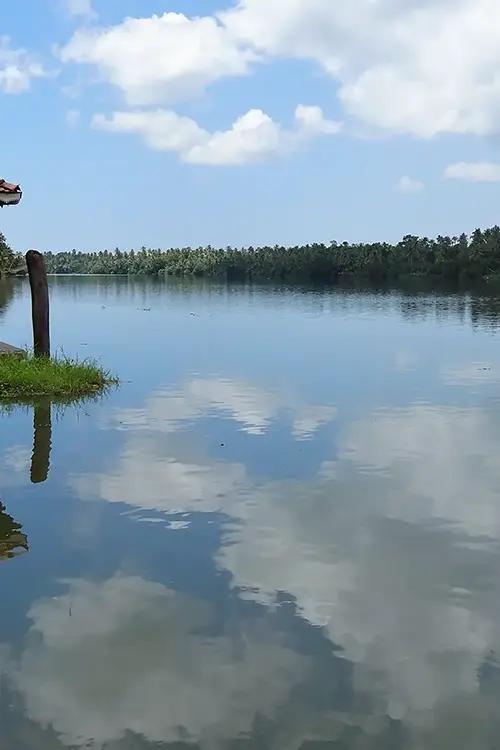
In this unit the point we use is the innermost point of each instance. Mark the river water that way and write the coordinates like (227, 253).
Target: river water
(281, 532)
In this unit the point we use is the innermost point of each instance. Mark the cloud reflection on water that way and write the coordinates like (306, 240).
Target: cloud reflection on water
(393, 548)
(253, 409)
(126, 655)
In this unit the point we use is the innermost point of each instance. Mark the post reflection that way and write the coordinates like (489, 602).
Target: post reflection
(13, 541)
(42, 441)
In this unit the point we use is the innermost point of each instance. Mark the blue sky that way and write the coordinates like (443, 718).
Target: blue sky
(250, 122)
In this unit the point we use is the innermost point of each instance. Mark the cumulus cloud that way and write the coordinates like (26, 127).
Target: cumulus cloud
(312, 120)
(17, 68)
(473, 172)
(420, 68)
(254, 137)
(160, 58)
(409, 185)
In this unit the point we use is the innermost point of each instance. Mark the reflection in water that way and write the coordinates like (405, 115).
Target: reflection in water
(415, 299)
(12, 540)
(392, 549)
(151, 477)
(301, 567)
(6, 294)
(42, 441)
(253, 409)
(128, 655)
(395, 553)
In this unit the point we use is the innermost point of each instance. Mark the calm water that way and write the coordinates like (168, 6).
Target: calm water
(281, 532)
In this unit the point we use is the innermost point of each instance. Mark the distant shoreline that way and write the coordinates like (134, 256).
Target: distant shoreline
(451, 258)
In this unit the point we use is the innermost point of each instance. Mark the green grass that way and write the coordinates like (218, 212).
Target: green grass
(60, 378)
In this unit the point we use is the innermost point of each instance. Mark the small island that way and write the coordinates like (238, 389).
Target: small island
(24, 377)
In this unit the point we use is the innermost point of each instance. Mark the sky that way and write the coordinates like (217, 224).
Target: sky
(243, 122)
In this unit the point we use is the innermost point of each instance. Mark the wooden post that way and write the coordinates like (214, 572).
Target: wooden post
(39, 303)
(42, 441)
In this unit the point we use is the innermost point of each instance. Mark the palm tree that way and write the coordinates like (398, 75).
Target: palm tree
(6, 254)
(11, 263)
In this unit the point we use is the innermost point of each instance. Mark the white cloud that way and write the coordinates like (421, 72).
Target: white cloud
(409, 185)
(81, 8)
(254, 137)
(17, 68)
(160, 58)
(420, 68)
(162, 130)
(411, 67)
(473, 172)
(312, 120)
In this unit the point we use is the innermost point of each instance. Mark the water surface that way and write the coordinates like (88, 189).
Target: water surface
(281, 532)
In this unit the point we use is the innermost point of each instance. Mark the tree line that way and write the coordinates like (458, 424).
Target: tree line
(453, 258)
(8, 258)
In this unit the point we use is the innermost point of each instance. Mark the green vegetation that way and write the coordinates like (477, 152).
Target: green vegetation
(24, 378)
(9, 260)
(12, 540)
(452, 258)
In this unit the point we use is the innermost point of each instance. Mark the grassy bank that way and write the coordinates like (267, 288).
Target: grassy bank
(27, 377)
